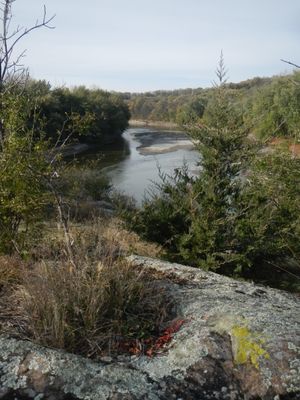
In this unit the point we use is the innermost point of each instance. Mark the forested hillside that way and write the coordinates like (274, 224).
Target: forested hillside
(270, 105)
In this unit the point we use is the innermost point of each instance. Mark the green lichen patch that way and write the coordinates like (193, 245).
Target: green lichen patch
(248, 346)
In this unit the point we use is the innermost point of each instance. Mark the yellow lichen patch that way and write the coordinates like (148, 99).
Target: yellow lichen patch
(247, 346)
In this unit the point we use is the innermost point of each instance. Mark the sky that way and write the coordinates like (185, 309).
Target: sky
(146, 45)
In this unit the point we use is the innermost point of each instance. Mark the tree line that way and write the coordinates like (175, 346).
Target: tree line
(270, 105)
(85, 115)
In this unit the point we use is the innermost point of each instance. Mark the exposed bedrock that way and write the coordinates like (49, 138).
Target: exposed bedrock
(238, 341)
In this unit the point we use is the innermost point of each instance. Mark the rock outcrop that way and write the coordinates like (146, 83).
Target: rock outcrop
(238, 341)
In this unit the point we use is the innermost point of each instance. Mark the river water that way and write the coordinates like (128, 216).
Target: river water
(133, 163)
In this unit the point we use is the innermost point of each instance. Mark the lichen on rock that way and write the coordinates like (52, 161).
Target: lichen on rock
(248, 346)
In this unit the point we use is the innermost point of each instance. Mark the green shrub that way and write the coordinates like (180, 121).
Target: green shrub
(24, 168)
(82, 182)
(165, 213)
(269, 227)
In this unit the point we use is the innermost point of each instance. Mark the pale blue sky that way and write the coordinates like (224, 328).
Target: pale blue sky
(139, 45)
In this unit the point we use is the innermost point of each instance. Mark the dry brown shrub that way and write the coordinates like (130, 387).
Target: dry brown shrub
(11, 271)
(115, 232)
(96, 238)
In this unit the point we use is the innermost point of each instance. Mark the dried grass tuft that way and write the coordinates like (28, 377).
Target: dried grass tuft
(94, 304)
(90, 310)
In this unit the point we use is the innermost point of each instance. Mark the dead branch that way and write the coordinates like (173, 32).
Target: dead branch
(290, 63)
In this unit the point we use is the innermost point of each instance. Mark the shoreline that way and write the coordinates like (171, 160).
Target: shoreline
(162, 141)
(163, 149)
(154, 124)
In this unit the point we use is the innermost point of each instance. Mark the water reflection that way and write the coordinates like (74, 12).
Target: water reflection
(107, 154)
(133, 162)
(144, 152)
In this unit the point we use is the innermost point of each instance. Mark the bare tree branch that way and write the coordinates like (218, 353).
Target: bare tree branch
(12, 71)
(8, 41)
(291, 63)
(45, 23)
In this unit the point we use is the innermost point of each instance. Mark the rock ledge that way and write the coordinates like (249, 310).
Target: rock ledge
(238, 341)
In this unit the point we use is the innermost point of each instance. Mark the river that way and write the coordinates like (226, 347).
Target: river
(133, 163)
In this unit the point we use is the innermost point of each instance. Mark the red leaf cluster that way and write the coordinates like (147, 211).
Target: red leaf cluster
(165, 338)
(153, 345)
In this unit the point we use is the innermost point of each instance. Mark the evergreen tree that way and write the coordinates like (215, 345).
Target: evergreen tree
(241, 212)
